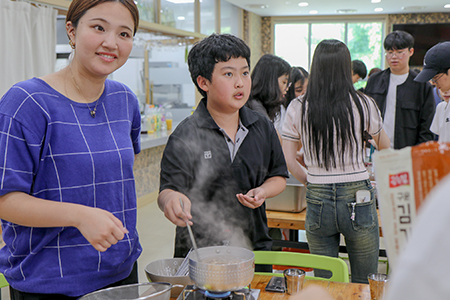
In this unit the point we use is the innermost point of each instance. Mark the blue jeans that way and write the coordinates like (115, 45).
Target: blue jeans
(328, 214)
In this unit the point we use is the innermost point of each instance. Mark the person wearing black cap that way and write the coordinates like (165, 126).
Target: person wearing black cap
(436, 65)
(407, 106)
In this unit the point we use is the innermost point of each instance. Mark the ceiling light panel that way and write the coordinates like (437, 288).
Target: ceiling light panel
(257, 6)
(346, 11)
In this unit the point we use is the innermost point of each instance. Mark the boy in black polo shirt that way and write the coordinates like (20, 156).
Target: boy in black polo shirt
(225, 159)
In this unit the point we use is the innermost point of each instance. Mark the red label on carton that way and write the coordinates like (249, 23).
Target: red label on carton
(399, 179)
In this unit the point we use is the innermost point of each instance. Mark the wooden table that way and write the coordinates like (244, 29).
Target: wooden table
(338, 290)
(295, 222)
(291, 220)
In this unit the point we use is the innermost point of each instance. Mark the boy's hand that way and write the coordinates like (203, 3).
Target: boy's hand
(254, 198)
(169, 202)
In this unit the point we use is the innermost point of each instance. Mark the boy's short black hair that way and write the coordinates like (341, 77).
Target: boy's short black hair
(398, 40)
(359, 68)
(213, 49)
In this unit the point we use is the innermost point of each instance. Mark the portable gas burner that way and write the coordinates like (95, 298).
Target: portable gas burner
(191, 292)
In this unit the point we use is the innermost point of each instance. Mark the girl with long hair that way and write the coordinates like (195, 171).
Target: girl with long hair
(298, 82)
(329, 121)
(270, 79)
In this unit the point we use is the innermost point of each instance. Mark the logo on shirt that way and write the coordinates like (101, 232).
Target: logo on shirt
(207, 154)
(399, 179)
(447, 120)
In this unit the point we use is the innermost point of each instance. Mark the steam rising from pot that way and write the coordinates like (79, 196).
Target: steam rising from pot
(218, 217)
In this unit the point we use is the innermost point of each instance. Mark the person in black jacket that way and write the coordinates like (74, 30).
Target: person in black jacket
(407, 106)
(224, 160)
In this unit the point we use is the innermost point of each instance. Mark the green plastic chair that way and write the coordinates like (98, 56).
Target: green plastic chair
(3, 283)
(283, 258)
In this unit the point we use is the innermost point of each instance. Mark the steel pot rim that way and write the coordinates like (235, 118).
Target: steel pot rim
(215, 277)
(168, 288)
(192, 258)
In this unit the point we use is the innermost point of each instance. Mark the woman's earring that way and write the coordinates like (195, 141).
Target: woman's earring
(72, 45)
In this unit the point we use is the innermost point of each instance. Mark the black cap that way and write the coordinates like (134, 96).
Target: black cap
(436, 59)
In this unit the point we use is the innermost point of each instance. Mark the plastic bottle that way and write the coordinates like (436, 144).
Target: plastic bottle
(158, 119)
(144, 119)
(144, 124)
(163, 124)
(169, 120)
(154, 121)
(162, 110)
(149, 116)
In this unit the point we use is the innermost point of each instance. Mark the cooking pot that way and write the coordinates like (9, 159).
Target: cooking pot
(138, 291)
(222, 268)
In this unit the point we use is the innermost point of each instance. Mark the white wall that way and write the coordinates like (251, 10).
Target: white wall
(132, 72)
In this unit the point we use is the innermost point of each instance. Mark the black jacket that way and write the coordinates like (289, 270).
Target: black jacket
(415, 107)
(197, 163)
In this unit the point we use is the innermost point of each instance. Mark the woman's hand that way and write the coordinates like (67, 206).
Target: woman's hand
(380, 141)
(301, 158)
(290, 154)
(100, 227)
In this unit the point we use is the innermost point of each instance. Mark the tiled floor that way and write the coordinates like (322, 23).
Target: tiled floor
(157, 235)
(157, 238)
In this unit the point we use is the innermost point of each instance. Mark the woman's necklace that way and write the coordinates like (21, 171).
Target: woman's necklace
(92, 112)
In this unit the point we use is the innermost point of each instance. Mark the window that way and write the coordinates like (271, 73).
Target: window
(178, 14)
(292, 43)
(296, 41)
(230, 16)
(320, 32)
(208, 16)
(146, 10)
(365, 42)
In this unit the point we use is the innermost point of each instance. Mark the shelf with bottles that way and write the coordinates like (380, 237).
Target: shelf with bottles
(156, 119)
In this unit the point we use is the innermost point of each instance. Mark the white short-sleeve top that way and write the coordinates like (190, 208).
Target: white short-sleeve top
(353, 168)
(441, 122)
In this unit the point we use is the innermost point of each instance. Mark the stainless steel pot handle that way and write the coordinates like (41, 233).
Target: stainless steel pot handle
(177, 285)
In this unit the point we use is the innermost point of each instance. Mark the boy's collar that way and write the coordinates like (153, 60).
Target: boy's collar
(204, 118)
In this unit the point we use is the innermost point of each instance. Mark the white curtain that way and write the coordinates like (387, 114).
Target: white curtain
(28, 41)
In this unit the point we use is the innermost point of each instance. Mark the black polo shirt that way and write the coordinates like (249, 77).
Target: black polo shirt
(197, 163)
